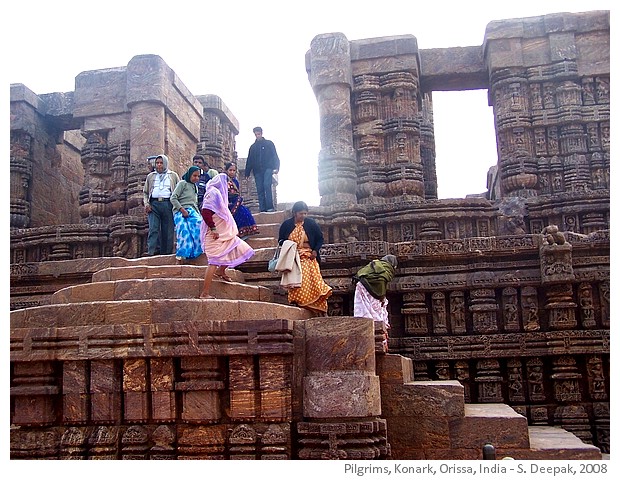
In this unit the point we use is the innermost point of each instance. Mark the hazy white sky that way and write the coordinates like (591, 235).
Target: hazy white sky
(252, 55)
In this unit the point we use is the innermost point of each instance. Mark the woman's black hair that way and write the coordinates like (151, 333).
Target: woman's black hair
(227, 165)
(299, 207)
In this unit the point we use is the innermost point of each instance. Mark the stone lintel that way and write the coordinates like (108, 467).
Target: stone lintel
(453, 69)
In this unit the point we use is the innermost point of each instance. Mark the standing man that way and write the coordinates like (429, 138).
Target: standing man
(158, 187)
(264, 162)
(201, 163)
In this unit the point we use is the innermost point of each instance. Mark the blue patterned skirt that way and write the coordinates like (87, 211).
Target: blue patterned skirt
(187, 231)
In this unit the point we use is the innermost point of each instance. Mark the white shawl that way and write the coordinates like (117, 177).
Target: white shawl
(289, 265)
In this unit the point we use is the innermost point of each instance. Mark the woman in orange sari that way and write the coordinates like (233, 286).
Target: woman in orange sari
(306, 233)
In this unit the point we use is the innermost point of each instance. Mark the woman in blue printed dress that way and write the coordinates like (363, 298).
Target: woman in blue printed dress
(242, 215)
(187, 217)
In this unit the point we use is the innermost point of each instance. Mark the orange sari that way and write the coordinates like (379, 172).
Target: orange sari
(314, 292)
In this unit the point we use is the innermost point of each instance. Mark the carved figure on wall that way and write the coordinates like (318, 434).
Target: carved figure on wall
(587, 91)
(515, 225)
(549, 95)
(602, 90)
(598, 179)
(515, 382)
(349, 234)
(122, 246)
(439, 313)
(443, 371)
(553, 236)
(457, 312)
(452, 230)
(535, 96)
(543, 179)
(461, 370)
(535, 378)
(570, 223)
(604, 296)
(532, 323)
(587, 305)
(596, 378)
(511, 312)
(557, 182)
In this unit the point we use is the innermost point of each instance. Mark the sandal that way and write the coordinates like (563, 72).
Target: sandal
(207, 297)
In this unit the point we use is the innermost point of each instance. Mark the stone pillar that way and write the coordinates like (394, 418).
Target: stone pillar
(105, 395)
(341, 393)
(330, 78)
(340, 376)
(20, 178)
(75, 398)
(550, 97)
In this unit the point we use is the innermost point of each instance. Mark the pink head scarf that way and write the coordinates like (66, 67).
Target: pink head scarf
(216, 200)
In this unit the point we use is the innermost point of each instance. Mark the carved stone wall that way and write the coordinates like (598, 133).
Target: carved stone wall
(44, 161)
(134, 382)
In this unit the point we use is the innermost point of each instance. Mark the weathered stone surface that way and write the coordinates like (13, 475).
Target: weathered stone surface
(497, 424)
(424, 399)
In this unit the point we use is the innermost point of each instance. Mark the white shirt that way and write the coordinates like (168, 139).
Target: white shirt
(161, 186)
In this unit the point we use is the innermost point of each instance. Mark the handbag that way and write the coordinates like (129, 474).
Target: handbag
(273, 262)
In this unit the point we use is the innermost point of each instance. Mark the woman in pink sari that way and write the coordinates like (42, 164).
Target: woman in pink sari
(219, 234)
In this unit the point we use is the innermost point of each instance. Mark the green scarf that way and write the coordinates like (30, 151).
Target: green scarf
(375, 277)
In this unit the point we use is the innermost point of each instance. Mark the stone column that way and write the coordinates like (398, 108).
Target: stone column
(549, 87)
(329, 66)
(341, 396)
(340, 376)
(20, 178)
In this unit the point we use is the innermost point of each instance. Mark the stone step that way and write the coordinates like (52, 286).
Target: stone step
(552, 443)
(262, 242)
(144, 312)
(158, 271)
(265, 218)
(158, 288)
(267, 230)
(494, 423)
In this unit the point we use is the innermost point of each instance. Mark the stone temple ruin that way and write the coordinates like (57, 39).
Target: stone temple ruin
(500, 311)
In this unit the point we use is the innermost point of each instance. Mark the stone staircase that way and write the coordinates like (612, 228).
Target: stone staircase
(430, 420)
(268, 225)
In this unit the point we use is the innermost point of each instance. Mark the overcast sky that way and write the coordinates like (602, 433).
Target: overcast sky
(252, 55)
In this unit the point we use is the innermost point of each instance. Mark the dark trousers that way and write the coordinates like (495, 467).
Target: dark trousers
(161, 228)
(263, 189)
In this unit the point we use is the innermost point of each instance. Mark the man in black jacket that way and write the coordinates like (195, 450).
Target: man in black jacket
(263, 161)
